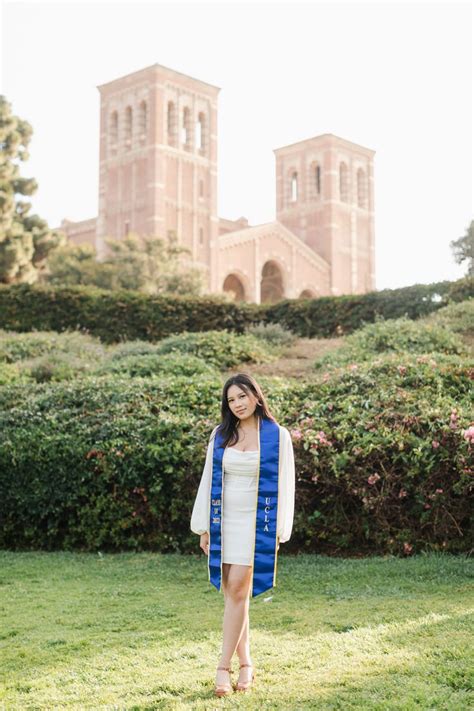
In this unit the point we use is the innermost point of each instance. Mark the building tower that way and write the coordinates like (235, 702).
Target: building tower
(158, 161)
(324, 194)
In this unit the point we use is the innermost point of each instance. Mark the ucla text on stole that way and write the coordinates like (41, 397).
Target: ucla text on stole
(217, 502)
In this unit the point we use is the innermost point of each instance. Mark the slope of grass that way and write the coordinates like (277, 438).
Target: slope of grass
(144, 632)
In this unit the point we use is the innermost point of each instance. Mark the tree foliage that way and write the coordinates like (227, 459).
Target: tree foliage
(147, 264)
(25, 240)
(463, 249)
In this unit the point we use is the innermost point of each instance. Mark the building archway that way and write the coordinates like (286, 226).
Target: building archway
(234, 286)
(307, 294)
(271, 284)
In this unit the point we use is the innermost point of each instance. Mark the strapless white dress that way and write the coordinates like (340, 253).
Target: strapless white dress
(239, 506)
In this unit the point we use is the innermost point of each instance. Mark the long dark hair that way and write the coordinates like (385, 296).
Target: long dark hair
(229, 422)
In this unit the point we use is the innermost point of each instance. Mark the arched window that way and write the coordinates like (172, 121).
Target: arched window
(361, 188)
(343, 183)
(142, 121)
(113, 131)
(317, 179)
(171, 123)
(186, 129)
(128, 126)
(294, 187)
(201, 133)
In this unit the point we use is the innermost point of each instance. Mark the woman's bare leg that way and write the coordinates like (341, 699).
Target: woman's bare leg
(243, 646)
(236, 583)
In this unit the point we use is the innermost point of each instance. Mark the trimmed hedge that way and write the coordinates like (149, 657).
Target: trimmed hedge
(114, 315)
(114, 464)
(126, 315)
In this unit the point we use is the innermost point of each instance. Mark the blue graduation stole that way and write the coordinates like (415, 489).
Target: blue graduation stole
(266, 541)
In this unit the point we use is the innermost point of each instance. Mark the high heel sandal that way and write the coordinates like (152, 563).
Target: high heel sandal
(223, 689)
(245, 685)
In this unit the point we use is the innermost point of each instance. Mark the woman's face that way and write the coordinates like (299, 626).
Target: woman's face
(241, 404)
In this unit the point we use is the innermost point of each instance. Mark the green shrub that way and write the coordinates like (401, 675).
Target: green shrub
(152, 364)
(383, 456)
(125, 315)
(394, 336)
(273, 333)
(460, 290)
(457, 317)
(55, 367)
(15, 347)
(383, 462)
(10, 373)
(132, 348)
(219, 348)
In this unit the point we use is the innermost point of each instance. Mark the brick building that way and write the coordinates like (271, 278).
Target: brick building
(158, 176)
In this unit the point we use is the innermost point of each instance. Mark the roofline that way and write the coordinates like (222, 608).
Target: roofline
(156, 66)
(325, 135)
(279, 225)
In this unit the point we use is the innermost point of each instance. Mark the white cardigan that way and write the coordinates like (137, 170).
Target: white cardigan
(286, 490)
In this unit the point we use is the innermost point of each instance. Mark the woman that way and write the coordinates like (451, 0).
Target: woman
(243, 509)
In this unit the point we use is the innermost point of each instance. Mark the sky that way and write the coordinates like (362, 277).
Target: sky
(395, 77)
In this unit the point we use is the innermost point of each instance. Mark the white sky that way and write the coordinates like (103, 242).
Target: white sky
(395, 77)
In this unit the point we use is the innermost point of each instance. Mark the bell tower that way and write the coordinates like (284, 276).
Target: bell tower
(324, 195)
(158, 162)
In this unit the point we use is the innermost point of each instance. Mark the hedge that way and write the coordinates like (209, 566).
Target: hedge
(113, 464)
(126, 315)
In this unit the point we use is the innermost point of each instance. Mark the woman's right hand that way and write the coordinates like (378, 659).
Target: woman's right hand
(204, 542)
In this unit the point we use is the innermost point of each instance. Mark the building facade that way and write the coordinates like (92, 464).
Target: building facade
(158, 177)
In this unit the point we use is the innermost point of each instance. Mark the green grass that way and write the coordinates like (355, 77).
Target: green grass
(143, 631)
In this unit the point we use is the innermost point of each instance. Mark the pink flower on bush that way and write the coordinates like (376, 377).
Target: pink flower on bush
(438, 491)
(469, 434)
(401, 369)
(321, 436)
(453, 419)
(353, 366)
(435, 444)
(407, 548)
(296, 434)
(402, 493)
(427, 506)
(373, 478)
(330, 406)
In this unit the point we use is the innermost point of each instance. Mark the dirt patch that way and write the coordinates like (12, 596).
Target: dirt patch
(296, 360)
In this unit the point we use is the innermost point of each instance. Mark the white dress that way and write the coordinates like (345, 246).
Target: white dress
(240, 497)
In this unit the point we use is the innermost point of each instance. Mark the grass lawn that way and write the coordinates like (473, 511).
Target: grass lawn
(143, 631)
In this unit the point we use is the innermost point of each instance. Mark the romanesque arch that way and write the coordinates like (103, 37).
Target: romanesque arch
(271, 285)
(234, 286)
(307, 294)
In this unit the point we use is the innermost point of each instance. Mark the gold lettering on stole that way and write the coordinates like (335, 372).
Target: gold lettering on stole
(267, 509)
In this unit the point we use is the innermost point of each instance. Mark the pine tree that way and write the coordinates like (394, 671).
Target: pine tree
(25, 240)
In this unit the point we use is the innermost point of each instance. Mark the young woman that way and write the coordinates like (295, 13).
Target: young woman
(243, 510)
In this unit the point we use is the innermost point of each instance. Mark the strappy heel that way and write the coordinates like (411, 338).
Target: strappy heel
(223, 689)
(245, 685)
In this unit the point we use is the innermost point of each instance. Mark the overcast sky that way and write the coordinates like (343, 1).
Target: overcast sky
(395, 77)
